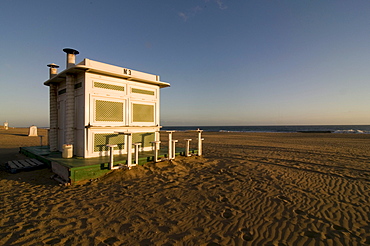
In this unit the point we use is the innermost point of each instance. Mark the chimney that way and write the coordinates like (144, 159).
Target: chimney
(53, 70)
(71, 56)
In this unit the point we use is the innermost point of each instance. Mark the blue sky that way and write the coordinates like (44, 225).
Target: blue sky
(229, 62)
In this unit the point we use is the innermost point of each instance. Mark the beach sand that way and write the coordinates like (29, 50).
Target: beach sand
(248, 189)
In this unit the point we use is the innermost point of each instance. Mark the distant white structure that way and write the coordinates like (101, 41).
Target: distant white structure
(6, 125)
(32, 132)
(92, 105)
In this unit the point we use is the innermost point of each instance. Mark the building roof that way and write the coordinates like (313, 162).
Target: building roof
(96, 67)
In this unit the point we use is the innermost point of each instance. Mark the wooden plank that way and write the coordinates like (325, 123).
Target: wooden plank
(19, 166)
(12, 165)
(39, 163)
(25, 164)
(22, 164)
(32, 163)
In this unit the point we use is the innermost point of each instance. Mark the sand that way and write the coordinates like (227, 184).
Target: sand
(247, 189)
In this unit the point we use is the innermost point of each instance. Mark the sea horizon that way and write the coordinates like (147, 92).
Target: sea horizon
(358, 129)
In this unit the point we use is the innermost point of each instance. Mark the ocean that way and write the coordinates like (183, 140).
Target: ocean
(354, 129)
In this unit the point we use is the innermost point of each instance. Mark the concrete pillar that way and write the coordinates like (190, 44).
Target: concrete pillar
(187, 147)
(137, 153)
(170, 144)
(129, 148)
(156, 149)
(70, 96)
(200, 139)
(111, 155)
(70, 108)
(53, 101)
(174, 149)
(53, 133)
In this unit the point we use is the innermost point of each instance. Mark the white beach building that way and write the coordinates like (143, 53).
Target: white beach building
(93, 104)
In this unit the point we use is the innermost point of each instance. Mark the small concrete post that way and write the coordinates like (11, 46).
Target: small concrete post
(6, 125)
(137, 153)
(129, 149)
(174, 149)
(200, 139)
(111, 149)
(156, 149)
(170, 144)
(187, 148)
(32, 132)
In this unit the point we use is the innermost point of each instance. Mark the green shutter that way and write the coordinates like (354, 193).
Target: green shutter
(140, 91)
(144, 138)
(108, 111)
(143, 113)
(101, 140)
(108, 86)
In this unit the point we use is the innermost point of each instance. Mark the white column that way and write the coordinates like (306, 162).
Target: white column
(174, 148)
(156, 149)
(200, 139)
(111, 149)
(129, 148)
(187, 148)
(170, 144)
(137, 153)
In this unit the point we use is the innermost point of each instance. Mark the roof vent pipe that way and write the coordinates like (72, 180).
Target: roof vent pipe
(53, 70)
(71, 56)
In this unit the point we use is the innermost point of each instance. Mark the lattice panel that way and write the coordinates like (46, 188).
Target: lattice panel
(140, 91)
(109, 87)
(108, 111)
(101, 140)
(143, 113)
(144, 138)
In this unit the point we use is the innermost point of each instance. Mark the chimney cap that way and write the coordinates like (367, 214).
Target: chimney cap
(71, 51)
(52, 65)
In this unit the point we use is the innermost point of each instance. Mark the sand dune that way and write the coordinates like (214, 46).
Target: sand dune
(248, 189)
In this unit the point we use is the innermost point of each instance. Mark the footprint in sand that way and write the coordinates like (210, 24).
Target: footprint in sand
(300, 212)
(111, 240)
(246, 235)
(339, 228)
(53, 241)
(223, 199)
(260, 190)
(227, 213)
(312, 234)
(284, 198)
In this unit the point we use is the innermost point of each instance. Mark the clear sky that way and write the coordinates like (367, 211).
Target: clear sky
(229, 62)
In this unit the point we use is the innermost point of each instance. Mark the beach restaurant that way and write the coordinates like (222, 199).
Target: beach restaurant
(94, 104)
